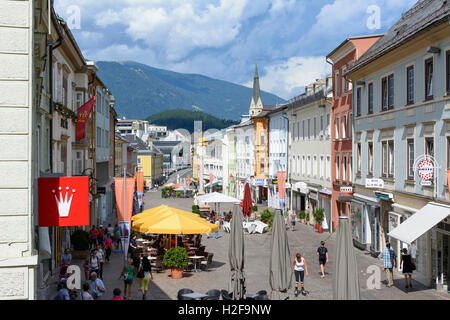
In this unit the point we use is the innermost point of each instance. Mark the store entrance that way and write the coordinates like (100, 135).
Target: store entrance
(443, 256)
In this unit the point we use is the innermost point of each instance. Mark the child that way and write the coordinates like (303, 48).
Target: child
(116, 293)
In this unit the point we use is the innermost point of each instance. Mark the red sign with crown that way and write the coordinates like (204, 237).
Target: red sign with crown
(63, 201)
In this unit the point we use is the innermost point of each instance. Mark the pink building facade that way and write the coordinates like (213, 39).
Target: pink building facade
(342, 59)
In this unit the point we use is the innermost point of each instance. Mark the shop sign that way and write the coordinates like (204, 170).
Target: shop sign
(375, 183)
(426, 169)
(288, 185)
(63, 201)
(346, 189)
(301, 185)
(313, 195)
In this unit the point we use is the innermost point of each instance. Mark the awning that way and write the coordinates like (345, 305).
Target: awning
(366, 198)
(420, 222)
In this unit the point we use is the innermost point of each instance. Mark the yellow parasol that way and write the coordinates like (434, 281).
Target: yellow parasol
(177, 223)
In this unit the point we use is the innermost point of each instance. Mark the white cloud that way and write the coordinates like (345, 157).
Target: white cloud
(287, 78)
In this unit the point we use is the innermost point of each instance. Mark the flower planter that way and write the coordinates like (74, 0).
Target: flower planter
(80, 254)
(320, 229)
(176, 273)
(302, 220)
(317, 226)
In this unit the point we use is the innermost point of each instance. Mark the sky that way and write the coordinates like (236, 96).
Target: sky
(222, 39)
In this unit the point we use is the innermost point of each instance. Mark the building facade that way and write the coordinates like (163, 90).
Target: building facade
(310, 150)
(341, 122)
(401, 122)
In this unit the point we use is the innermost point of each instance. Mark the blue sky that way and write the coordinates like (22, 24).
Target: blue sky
(222, 39)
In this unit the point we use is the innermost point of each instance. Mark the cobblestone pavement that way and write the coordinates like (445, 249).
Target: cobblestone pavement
(257, 251)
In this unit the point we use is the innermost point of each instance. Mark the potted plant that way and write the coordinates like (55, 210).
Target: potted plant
(302, 216)
(80, 242)
(178, 194)
(319, 216)
(255, 209)
(176, 259)
(196, 209)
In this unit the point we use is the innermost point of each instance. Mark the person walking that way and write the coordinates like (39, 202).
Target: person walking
(100, 235)
(292, 216)
(66, 258)
(300, 268)
(389, 262)
(127, 275)
(133, 246)
(87, 269)
(118, 238)
(94, 235)
(322, 252)
(101, 260)
(108, 246)
(408, 266)
(94, 263)
(144, 275)
(86, 294)
(413, 251)
(110, 230)
(63, 292)
(97, 287)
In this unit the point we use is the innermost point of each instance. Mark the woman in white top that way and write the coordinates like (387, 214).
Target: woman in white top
(94, 262)
(299, 267)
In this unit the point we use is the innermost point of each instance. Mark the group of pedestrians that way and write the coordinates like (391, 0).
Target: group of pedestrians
(407, 263)
(143, 272)
(300, 268)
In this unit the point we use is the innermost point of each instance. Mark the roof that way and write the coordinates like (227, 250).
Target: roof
(353, 38)
(136, 142)
(423, 16)
(256, 91)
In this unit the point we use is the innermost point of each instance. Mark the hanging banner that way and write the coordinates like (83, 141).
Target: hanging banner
(140, 187)
(119, 189)
(448, 181)
(281, 176)
(188, 181)
(82, 118)
(63, 201)
(210, 178)
(125, 230)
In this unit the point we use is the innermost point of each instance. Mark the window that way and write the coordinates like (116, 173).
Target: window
(344, 168)
(303, 128)
(261, 139)
(370, 98)
(387, 150)
(410, 158)
(358, 102)
(337, 93)
(328, 168)
(429, 146)
(447, 59)
(344, 84)
(350, 166)
(309, 128)
(384, 93)
(298, 165)
(328, 125)
(410, 85)
(322, 167)
(350, 125)
(337, 167)
(298, 130)
(304, 165)
(429, 79)
(337, 125)
(308, 164)
(315, 166)
(344, 126)
(321, 126)
(370, 158)
(315, 128)
(391, 91)
(358, 159)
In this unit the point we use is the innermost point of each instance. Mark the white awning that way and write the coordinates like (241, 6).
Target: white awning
(420, 222)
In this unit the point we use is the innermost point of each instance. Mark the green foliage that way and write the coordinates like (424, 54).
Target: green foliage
(318, 215)
(80, 240)
(196, 209)
(302, 214)
(181, 118)
(140, 89)
(176, 257)
(178, 194)
(255, 209)
(267, 216)
(307, 217)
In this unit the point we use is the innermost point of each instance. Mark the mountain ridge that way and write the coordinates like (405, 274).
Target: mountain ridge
(141, 91)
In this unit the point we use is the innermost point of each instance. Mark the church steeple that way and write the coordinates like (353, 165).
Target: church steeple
(256, 105)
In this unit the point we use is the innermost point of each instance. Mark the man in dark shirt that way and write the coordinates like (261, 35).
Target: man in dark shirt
(322, 252)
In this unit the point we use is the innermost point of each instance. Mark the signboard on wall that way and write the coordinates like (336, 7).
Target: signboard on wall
(375, 183)
(346, 189)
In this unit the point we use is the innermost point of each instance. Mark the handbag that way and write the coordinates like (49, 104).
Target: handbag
(140, 274)
(124, 276)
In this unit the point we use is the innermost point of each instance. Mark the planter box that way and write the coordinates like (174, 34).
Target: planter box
(177, 273)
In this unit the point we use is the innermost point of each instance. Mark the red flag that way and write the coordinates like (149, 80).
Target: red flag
(83, 115)
(63, 201)
(247, 205)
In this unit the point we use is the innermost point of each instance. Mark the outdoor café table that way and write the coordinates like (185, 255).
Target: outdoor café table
(194, 295)
(196, 258)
